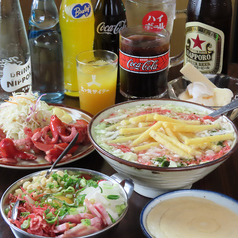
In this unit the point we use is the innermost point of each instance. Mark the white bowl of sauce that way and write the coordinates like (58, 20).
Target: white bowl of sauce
(190, 213)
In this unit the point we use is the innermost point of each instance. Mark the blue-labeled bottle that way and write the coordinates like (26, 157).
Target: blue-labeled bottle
(46, 51)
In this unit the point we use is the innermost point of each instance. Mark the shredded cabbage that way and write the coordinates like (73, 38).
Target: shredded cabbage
(23, 110)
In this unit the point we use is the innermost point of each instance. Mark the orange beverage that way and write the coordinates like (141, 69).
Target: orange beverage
(77, 29)
(97, 78)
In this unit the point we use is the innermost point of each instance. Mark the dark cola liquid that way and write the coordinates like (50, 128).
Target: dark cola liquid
(139, 85)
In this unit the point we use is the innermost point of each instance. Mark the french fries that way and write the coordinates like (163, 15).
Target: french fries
(145, 147)
(209, 139)
(181, 127)
(145, 135)
(163, 139)
(134, 130)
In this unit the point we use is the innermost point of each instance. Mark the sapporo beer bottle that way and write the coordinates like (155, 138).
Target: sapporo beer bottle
(110, 18)
(15, 61)
(207, 32)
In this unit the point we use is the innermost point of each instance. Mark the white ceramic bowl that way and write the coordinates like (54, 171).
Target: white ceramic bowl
(215, 197)
(150, 181)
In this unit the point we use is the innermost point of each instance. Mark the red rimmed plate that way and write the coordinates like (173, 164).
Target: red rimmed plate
(41, 163)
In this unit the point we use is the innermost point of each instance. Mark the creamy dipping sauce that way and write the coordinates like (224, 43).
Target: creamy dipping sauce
(191, 217)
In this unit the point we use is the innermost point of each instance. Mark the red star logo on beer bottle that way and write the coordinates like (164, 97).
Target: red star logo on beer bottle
(198, 42)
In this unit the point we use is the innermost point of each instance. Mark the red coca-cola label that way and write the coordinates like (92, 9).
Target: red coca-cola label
(143, 64)
(156, 20)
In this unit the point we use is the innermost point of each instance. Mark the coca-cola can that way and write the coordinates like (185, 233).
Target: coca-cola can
(144, 62)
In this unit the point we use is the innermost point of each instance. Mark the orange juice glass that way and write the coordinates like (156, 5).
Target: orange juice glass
(97, 79)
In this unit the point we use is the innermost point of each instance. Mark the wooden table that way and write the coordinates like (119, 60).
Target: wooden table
(223, 180)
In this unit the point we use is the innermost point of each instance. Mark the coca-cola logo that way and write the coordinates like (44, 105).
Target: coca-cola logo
(102, 28)
(79, 10)
(149, 65)
(143, 64)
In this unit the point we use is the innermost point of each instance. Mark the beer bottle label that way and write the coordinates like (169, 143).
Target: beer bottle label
(204, 46)
(80, 10)
(144, 64)
(16, 76)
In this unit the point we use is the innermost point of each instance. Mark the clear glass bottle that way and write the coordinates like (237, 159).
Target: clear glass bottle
(46, 51)
(15, 62)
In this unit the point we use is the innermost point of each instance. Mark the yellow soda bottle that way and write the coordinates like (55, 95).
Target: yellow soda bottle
(77, 29)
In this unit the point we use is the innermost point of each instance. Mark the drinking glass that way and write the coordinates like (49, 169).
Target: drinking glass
(160, 13)
(144, 60)
(97, 79)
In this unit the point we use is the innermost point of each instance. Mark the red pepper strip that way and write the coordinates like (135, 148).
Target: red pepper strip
(43, 147)
(54, 153)
(8, 150)
(58, 149)
(70, 137)
(207, 118)
(82, 127)
(83, 123)
(57, 127)
(36, 198)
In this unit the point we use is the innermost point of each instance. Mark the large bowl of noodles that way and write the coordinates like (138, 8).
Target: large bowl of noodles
(139, 139)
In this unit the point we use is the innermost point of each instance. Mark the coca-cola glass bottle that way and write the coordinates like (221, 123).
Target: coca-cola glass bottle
(15, 62)
(110, 18)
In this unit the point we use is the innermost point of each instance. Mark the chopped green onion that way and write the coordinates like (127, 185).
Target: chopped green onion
(26, 224)
(220, 143)
(51, 218)
(7, 209)
(47, 211)
(165, 163)
(69, 190)
(83, 182)
(25, 214)
(69, 195)
(120, 208)
(50, 185)
(161, 159)
(58, 194)
(86, 222)
(63, 211)
(113, 197)
(112, 219)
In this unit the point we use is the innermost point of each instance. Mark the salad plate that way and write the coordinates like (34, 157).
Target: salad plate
(40, 162)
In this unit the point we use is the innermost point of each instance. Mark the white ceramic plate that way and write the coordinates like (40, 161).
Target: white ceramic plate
(41, 163)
